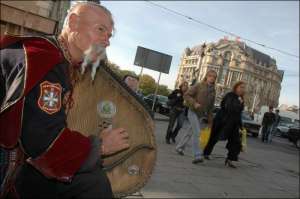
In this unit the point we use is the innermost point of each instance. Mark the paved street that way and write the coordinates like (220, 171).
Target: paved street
(265, 170)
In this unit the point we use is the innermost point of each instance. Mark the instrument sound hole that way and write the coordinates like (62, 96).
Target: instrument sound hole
(133, 170)
(104, 125)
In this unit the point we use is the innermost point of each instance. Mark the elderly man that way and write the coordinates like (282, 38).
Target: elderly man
(36, 81)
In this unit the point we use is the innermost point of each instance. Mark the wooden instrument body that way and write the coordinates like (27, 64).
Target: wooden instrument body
(128, 170)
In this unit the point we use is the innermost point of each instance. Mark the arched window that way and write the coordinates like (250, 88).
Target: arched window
(238, 60)
(227, 55)
(227, 58)
(234, 78)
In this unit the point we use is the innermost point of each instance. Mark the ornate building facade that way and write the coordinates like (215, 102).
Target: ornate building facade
(234, 61)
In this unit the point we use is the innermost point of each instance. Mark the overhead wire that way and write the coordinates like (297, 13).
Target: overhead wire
(222, 30)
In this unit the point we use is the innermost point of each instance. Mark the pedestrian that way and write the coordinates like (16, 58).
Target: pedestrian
(37, 75)
(267, 125)
(177, 112)
(132, 82)
(276, 123)
(227, 124)
(200, 100)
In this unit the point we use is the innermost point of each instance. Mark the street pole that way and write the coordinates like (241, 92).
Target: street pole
(252, 109)
(140, 75)
(156, 91)
(254, 100)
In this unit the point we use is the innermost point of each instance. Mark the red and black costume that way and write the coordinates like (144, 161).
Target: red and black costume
(34, 81)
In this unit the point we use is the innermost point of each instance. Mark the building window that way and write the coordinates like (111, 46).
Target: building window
(223, 77)
(226, 62)
(245, 77)
(227, 55)
(227, 58)
(234, 78)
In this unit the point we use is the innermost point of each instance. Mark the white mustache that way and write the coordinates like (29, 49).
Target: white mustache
(93, 55)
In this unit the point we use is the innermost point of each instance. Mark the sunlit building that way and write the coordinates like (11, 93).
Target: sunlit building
(233, 61)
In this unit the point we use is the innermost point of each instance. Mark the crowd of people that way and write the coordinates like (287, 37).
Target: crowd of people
(195, 105)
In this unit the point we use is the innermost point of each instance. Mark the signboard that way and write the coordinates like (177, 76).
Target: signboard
(153, 60)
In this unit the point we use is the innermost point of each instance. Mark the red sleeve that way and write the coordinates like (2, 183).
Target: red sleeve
(64, 156)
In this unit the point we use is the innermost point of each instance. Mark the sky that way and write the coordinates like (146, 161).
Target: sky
(273, 23)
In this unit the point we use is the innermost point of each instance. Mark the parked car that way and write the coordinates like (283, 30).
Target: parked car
(160, 103)
(250, 125)
(140, 94)
(293, 134)
(283, 127)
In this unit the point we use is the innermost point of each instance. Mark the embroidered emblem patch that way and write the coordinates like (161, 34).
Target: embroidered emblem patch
(50, 97)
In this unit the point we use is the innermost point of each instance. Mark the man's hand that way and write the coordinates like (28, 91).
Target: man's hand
(197, 105)
(114, 141)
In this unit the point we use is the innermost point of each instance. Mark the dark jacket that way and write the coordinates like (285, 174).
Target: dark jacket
(176, 99)
(268, 119)
(229, 118)
(33, 85)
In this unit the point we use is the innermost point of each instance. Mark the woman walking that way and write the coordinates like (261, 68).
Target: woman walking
(177, 112)
(228, 122)
(200, 100)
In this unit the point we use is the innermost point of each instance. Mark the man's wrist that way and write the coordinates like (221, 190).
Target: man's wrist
(102, 149)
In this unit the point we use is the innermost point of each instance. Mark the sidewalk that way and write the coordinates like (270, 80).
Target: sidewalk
(265, 171)
(160, 117)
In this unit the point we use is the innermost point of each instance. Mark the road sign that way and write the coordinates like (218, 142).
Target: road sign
(153, 60)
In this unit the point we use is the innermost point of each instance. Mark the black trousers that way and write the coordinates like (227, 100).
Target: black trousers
(213, 139)
(174, 115)
(30, 183)
(234, 144)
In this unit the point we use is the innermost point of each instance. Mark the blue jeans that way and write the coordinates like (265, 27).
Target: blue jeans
(196, 126)
(267, 133)
(175, 115)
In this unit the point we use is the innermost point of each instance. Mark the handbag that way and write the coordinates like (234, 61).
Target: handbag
(243, 133)
(204, 137)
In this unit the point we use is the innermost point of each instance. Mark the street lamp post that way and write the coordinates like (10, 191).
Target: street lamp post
(255, 98)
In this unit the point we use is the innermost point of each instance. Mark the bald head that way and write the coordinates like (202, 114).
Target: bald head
(86, 10)
(87, 24)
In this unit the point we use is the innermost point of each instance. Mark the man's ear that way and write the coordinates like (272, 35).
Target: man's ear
(73, 22)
